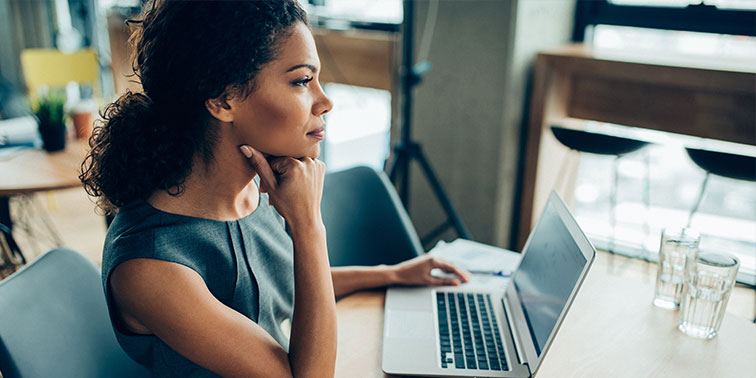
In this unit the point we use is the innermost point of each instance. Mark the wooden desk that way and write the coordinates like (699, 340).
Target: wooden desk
(33, 170)
(612, 330)
(707, 98)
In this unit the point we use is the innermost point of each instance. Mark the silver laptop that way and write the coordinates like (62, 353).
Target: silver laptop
(453, 331)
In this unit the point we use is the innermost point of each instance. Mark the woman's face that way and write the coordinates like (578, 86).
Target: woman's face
(283, 116)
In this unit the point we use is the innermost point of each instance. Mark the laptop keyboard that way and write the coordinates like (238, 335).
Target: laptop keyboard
(469, 332)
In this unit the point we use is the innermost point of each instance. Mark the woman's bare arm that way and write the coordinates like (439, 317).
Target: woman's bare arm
(349, 279)
(173, 302)
(312, 351)
(295, 189)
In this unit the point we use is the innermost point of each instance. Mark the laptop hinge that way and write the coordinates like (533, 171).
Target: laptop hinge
(515, 336)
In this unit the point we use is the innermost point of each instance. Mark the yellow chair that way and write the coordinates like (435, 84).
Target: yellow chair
(55, 69)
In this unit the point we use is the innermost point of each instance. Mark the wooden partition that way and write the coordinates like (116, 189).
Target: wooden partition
(709, 98)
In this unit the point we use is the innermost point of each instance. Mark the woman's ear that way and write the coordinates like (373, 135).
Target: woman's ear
(220, 109)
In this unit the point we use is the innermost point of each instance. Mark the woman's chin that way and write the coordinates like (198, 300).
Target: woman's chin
(314, 152)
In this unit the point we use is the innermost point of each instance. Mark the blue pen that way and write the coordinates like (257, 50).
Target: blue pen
(499, 273)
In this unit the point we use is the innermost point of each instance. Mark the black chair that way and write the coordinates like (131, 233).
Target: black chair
(365, 221)
(739, 167)
(54, 322)
(602, 144)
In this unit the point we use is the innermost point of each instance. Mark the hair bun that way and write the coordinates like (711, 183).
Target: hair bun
(115, 143)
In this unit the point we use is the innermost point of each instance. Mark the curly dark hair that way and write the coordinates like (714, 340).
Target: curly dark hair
(185, 53)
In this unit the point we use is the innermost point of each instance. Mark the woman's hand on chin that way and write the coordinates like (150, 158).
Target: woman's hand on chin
(294, 186)
(417, 272)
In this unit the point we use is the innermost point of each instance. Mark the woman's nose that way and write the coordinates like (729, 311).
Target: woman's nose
(323, 105)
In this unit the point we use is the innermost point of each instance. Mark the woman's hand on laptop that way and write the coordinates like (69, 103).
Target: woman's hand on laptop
(417, 272)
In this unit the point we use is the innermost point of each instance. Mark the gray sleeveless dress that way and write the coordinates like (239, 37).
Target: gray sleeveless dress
(247, 264)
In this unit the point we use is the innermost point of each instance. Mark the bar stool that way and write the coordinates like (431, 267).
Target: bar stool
(602, 144)
(739, 167)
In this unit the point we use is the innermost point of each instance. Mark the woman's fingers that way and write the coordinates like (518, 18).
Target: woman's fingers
(419, 271)
(444, 281)
(294, 185)
(448, 267)
(261, 166)
(283, 165)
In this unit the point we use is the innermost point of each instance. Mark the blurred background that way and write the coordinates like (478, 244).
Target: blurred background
(482, 113)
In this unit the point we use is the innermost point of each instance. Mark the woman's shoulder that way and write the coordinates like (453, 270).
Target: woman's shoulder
(141, 231)
(131, 229)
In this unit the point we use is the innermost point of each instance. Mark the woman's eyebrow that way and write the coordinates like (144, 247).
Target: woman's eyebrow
(310, 66)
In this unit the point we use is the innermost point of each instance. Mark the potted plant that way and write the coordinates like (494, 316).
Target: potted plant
(52, 125)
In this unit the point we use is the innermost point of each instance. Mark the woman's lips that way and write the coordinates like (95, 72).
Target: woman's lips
(318, 134)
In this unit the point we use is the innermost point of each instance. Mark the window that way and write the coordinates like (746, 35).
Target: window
(358, 128)
(734, 17)
(720, 4)
(383, 15)
(726, 217)
(672, 29)
(674, 42)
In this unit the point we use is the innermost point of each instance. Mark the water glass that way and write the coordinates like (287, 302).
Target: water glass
(708, 285)
(678, 245)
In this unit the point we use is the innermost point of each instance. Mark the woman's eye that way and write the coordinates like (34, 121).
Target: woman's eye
(303, 82)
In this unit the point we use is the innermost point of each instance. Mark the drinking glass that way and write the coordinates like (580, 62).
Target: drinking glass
(678, 245)
(708, 283)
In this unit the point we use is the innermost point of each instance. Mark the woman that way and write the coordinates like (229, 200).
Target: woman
(198, 268)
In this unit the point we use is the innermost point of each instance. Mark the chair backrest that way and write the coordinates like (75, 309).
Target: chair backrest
(365, 221)
(55, 69)
(54, 322)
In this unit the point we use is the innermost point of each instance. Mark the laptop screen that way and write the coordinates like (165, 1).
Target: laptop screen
(548, 272)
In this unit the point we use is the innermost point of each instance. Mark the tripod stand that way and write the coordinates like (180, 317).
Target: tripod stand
(407, 150)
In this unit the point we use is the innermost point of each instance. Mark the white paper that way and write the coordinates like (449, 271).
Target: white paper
(475, 256)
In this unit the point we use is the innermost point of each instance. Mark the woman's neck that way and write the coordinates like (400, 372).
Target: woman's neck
(221, 189)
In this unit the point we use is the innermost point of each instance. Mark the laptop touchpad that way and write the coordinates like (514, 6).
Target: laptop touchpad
(410, 324)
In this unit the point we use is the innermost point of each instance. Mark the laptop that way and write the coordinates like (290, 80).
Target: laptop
(497, 332)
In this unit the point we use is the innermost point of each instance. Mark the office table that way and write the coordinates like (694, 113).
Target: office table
(29, 171)
(612, 330)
